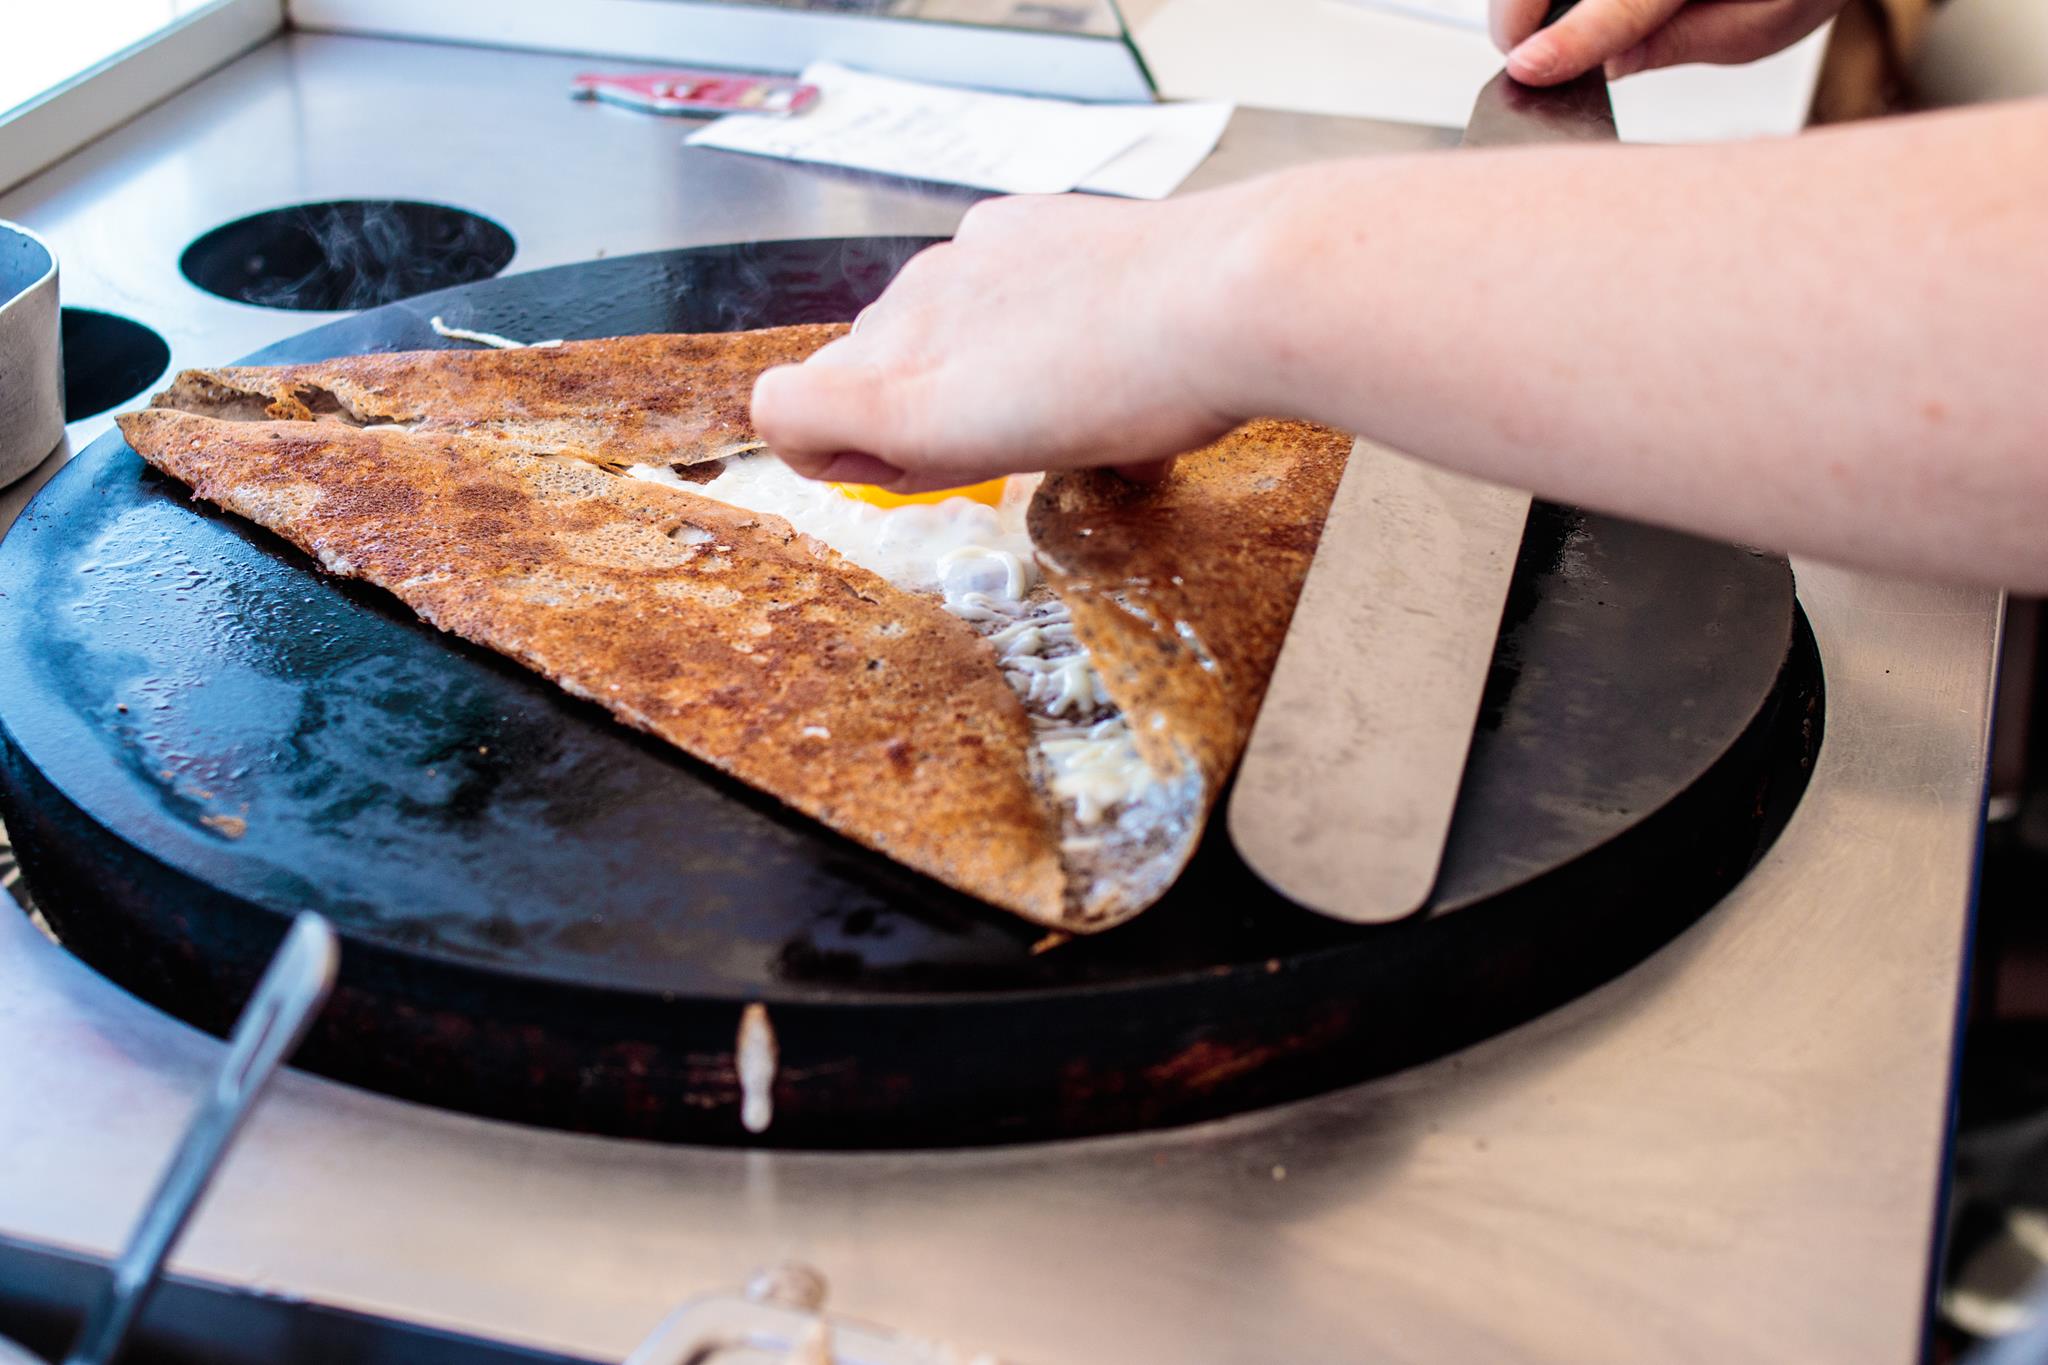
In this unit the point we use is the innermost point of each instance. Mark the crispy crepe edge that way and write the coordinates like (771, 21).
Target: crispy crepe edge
(661, 398)
(1182, 593)
(1113, 551)
(962, 807)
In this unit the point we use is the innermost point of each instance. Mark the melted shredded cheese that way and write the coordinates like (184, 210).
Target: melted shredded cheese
(979, 560)
(1092, 763)
(1096, 767)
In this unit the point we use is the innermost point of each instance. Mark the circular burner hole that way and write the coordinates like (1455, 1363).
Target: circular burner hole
(347, 254)
(108, 359)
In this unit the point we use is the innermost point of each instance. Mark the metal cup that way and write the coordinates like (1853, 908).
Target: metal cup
(31, 359)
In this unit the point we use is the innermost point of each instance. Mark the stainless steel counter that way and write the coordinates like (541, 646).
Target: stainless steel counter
(1733, 1152)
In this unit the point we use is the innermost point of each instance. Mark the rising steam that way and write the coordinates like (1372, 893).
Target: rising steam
(343, 256)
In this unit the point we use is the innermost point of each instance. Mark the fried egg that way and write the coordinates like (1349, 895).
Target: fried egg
(968, 546)
(953, 542)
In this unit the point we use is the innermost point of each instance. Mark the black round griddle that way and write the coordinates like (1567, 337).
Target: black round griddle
(549, 918)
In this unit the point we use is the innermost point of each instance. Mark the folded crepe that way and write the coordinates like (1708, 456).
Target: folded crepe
(627, 400)
(1042, 723)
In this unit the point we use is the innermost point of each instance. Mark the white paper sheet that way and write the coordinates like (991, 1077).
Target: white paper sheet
(1008, 143)
(1177, 138)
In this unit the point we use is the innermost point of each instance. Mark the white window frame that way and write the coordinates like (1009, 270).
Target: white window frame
(719, 33)
(101, 98)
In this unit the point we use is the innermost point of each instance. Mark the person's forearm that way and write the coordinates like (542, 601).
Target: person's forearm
(1836, 344)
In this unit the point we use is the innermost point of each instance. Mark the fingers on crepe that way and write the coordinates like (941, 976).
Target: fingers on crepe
(821, 420)
(1145, 471)
(1050, 333)
(850, 466)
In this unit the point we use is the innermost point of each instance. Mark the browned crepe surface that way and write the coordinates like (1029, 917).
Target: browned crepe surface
(1182, 590)
(722, 631)
(617, 401)
(434, 475)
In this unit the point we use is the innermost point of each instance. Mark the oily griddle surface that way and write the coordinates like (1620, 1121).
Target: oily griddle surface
(215, 734)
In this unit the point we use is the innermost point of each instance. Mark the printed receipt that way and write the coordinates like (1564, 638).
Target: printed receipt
(1009, 143)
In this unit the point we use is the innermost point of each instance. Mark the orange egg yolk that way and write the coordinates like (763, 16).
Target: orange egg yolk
(990, 493)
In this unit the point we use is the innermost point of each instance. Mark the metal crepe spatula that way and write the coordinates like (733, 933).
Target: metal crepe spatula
(1344, 800)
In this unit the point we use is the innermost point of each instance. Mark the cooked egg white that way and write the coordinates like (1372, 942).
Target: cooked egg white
(971, 550)
(952, 547)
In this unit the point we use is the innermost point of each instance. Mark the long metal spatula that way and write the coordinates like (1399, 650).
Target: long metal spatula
(272, 1025)
(1344, 800)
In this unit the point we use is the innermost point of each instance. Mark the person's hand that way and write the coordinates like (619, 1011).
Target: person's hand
(1051, 332)
(1628, 36)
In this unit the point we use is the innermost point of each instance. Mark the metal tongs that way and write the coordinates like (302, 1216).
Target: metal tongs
(272, 1024)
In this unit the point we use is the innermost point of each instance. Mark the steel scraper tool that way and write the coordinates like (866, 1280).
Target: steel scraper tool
(1344, 799)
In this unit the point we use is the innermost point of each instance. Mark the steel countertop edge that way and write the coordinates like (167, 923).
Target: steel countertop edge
(1734, 1151)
